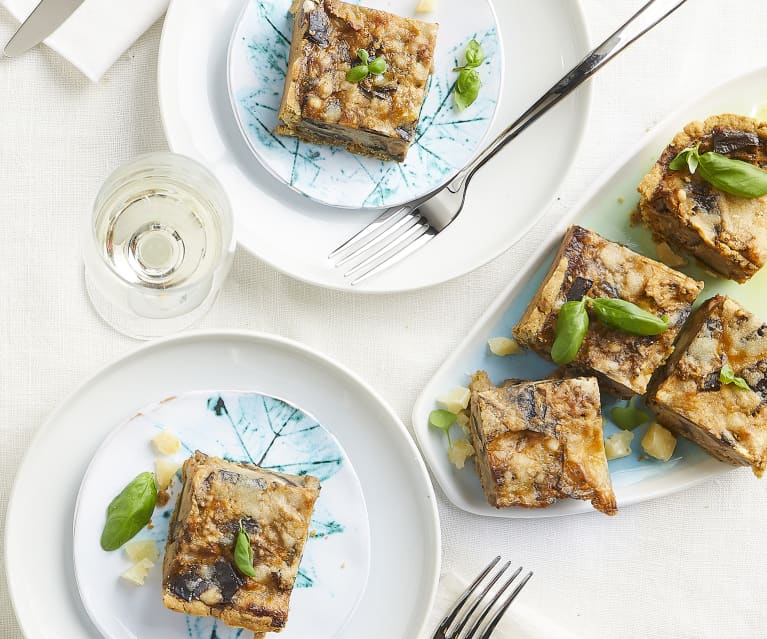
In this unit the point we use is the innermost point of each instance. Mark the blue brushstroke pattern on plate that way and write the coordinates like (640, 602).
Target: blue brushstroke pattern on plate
(446, 137)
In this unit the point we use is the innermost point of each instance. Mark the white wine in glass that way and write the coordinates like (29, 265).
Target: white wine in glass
(158, 245)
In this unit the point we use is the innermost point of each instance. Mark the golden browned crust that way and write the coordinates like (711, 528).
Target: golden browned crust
(728, 422)
(588, 264)
(537, 442)
(725, 232)
(377, 116)
(199, 576)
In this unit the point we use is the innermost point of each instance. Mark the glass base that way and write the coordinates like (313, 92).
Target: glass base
(137, 326)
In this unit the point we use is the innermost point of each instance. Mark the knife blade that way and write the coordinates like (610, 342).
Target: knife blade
(47, 16)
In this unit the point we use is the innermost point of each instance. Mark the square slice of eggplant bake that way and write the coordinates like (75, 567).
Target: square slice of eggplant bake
(376, 115)
(218, 500)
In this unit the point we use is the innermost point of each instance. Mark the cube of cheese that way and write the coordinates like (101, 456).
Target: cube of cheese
(726, 232)
(537, 442)
(377, 116)
(456, 400)
(588, 264)
(145, 549)
(689, 398)
(138, 572)
(164, 470)
(618, 445)
(218, 497)
(658, 442)
(166, 443)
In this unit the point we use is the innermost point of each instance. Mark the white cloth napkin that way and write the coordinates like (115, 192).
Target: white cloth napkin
(520, 621)
(98, 32)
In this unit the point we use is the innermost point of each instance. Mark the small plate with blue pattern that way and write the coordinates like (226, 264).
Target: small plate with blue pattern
(243, 427)
(446, 137)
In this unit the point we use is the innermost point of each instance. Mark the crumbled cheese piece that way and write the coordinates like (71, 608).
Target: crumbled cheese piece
(668, 257)
(459, 451)
(619, 445)
(146, 549)
(426, 6)
(164, 470)
(659, 442)
(166, 443)
(462, 419)
(456, 400)
(504, 346)
(137, 573)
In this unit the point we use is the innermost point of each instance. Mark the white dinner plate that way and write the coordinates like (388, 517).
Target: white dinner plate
(404, 525)
(605, 209)
(238, 426)
(541, 41)
(446, 139)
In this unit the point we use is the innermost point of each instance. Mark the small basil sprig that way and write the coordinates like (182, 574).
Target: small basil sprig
(129, 512)
(443, 420)
(726, 174)
(573, 323)
(243, 554)
(727, 376)
(474, 56)
(468, 84)
(376, 66)
(628, 417)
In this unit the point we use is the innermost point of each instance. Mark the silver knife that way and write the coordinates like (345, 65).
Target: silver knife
(47, 16)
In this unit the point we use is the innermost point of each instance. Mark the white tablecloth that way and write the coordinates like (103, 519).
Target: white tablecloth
(690, 565)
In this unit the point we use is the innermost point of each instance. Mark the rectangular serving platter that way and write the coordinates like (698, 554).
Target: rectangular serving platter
(606, 209)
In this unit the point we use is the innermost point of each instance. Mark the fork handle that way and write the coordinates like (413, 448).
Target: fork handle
(639, 24)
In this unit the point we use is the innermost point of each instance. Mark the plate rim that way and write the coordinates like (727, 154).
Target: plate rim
(706, 469)
(428, 500)
(112, 434)
(585, 94)
(445, 180)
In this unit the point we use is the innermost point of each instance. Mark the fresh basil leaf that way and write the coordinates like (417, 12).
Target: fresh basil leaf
(732, 176)
(358, 73)
(468, 81)
(442, 419)
(727, 376)
(378, 66)
(474, 54)
(723, 173)
(741, 383)
(687, 158)
(627, 317)
(628, 417)
(243, 554)
(680, 161)
(571, 327)
(129, 512)
(693, 161)
(363, 55)
(467, 88)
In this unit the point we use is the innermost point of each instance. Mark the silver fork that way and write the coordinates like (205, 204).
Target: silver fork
(400, 231)
(457, 618)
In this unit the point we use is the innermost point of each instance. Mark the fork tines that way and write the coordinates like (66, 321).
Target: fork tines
(390, 237)
(472, 609)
